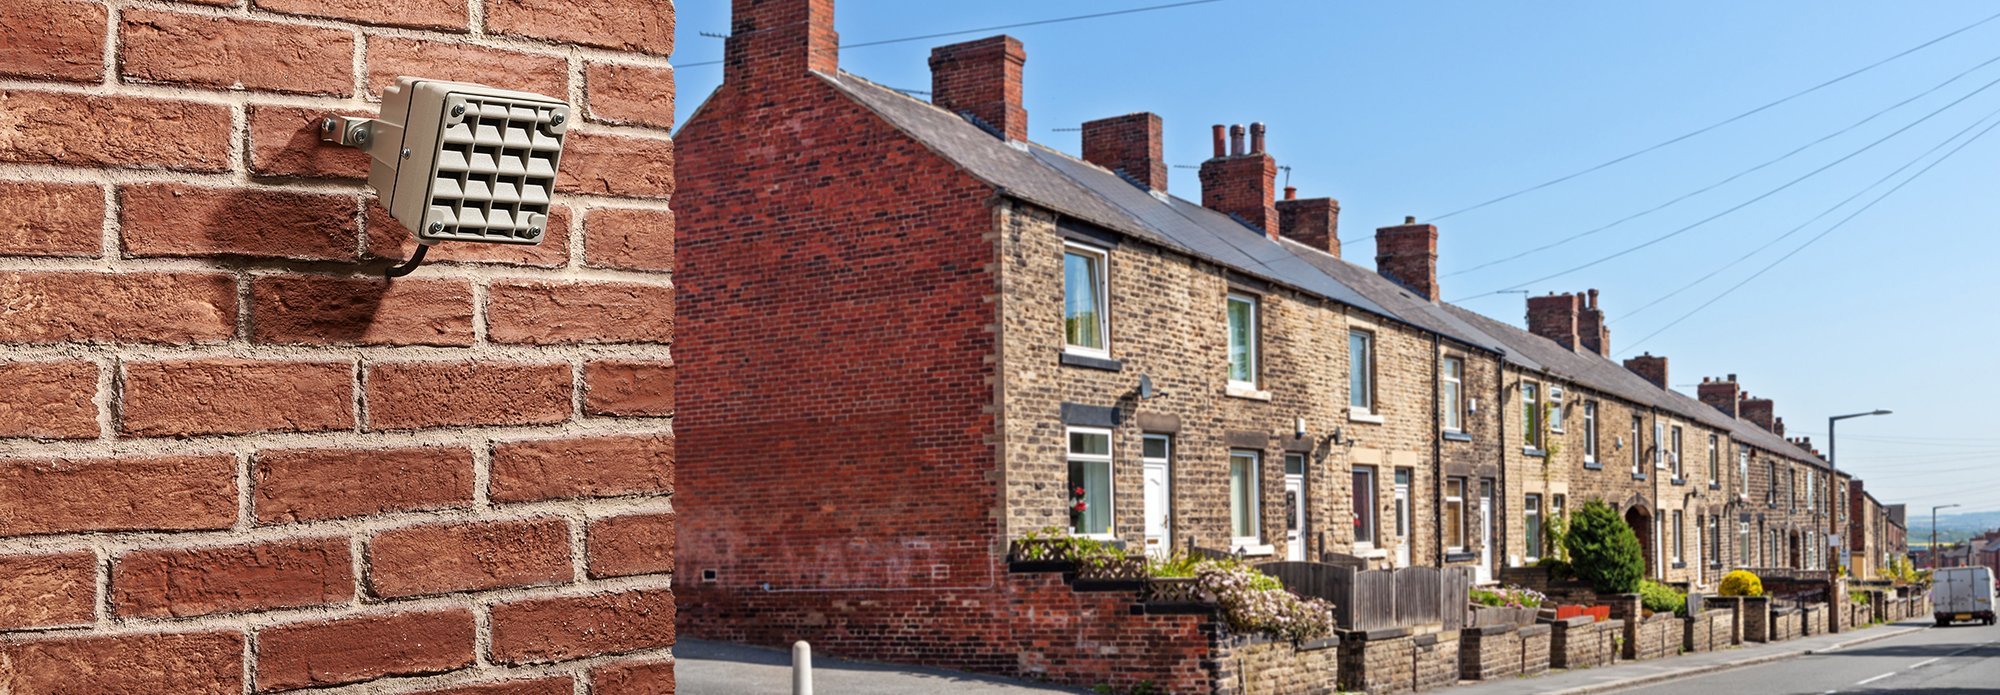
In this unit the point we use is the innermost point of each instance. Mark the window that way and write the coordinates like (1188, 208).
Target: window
(1531, 512)
(1403, 476)
(1084, 315)
(1364, 508)
(1361, 371)
(1675, 439)
(1531, 414)
(1743, 472)
(1244, 524)
(1812, 498)
(1771, 482)
(1679, 540)
(1452, 396)
(1714, 462)
(1590, 432)
(1558, 506)
(1638, 451)
(1715, 539)
(1659, 445)
(1556, 409)
(1243, 340)
(1454, 515)
(1792, 490)
(1743, 543)
(1089, 482)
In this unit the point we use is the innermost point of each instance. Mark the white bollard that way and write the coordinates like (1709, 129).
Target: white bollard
(802, 668)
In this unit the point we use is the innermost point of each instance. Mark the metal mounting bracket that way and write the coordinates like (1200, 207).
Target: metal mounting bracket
(378, 138)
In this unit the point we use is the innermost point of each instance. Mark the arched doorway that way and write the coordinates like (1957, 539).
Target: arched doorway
(1642, 526)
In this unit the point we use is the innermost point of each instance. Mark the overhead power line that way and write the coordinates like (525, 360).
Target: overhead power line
(1017, 25)
(1733, 177)
(1723, 122)
(1747, 203)
(1809, 242)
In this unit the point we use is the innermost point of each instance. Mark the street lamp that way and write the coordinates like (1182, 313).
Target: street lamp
(1934, 549)
(1829, 431)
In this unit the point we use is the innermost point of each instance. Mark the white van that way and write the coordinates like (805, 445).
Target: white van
(1961, 594)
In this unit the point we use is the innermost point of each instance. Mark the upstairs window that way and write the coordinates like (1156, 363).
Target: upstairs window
(1089, 482)
(1675, 454)
(1556, 409)
(1243, 340)
(1452, 396)
(1590, 432)
(1638, 445)
(1714, 461)
(1361, 371)
(1085, 320)
(1531, 414)
(1743, 472)
(1659, 449)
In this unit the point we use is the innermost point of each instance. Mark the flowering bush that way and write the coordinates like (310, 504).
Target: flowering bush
(1741, 583)
(1254, 601)
(1509, 596)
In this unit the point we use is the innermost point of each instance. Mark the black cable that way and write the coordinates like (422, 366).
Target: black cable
(1821, 235)
(1727, 121)
(1018, 25)
(1747, 203)
(1731, 178)
(408, 266)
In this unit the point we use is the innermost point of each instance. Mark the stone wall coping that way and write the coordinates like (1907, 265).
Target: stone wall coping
(1489, 630)
(1318, 644)
(1387, 633)
(1536, 630)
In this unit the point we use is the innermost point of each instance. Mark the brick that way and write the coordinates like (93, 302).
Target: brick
(351, 650)
(646, 27)
(628, 388)
(171, 219)
(48, 590)
(52, 39)
(229, 53)
(50, 400)
(416, 395)
(390, 240)
(311, 484)
(638, 95)
(284, 141)
(166, 308)
(185, 582)
(616, 165)
(198, 663)
(39, 218)
(553, 685)
(591, 467)
(633, 677)
(443, 558)
(179, 398)
(322, 310)
(556, 313)
(450, 15)
(176, 493)
(633, 544)
(389, 57)
(629, 239)
(574, 627)
(114, 131)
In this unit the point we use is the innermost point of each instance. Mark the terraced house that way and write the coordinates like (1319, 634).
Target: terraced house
(915, 336)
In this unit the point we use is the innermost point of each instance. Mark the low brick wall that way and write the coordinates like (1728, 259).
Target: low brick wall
(1534, 649)
(1756, 616)
(1494, 651)
(1435, 660)
(1711, 630)
(1377, 661)
(1813, 620)
(1580, 643)
(1264, 665)
(1654, 637)
(1732, 605)
(1785, 624)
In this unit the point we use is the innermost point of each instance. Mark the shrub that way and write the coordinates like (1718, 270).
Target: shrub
(1056, 543)
(1179, 565)
(1558, 569)
(1603, 550)
(1660, 598)
(1858, 596)
(1741, 583)
(1508, 597)
(1254, 601)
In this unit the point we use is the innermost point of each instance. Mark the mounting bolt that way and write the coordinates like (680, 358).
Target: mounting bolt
(557, 119)
(360, 136)
(406, 153)
(457, 110)
(436, 226)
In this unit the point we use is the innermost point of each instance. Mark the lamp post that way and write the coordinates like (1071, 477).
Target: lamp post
(1830, 422)
(1934, 548)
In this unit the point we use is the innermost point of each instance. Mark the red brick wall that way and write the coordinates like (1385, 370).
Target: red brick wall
(234, 458)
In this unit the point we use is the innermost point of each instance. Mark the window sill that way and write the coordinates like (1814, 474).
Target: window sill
(1593, 466)
(1715, 486)
(1638, 476)
(1253, 550)
(1460, 556)
(1679, 481)
(1358, 415)
(1370, 552)
(1451, 436)
(1532, 451)
(1092, 362)
(1239, 389)
(1715, 565)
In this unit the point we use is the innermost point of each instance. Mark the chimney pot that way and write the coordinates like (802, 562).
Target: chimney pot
(1236, 140)
(1291, 193)
(1256, 138)
(982, 78)
(1409, 219)
(1219, 146)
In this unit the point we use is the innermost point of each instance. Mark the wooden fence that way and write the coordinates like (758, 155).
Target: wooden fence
(1376, 599)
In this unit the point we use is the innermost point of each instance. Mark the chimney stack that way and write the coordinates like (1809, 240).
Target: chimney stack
(982, 78)
(1778, 426)
(1129, 145)
(1314, 222)
(1590, 328)
(1554, 317)
(1756, 410)
(1242, 184)
(779, 39)
(1408, 254)
(1653, 369)
(1721, 394)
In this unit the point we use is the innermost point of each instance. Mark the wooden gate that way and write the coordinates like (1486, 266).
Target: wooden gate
(1375, 599)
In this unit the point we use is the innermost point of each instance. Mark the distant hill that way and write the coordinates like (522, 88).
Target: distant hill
(1951, 528)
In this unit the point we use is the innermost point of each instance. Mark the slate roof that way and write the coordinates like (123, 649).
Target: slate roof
(1059, 182)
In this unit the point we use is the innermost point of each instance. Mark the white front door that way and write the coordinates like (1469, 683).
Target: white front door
(1295, 509)
(1402, 517)
(1485, 572)
(1158, 493)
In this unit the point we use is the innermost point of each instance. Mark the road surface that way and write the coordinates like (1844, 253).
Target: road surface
(1958, 660)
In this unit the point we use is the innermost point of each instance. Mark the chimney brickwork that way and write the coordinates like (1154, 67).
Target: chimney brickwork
(1757, 410)
(1721, 394)
(982, 78)
(1554, 317)
(770, 39)
(1314, 222)
(1408, 254)
(1129, 145)
(1242, 183)
(1590, 329)
(1651, 367)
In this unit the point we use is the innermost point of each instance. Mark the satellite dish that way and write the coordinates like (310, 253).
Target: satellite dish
(1146, 390)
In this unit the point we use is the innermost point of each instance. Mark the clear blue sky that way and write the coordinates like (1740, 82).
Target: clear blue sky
(1424, 108)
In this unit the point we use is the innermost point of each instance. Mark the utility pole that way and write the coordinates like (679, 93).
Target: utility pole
(1829, 431)
(1934, 548)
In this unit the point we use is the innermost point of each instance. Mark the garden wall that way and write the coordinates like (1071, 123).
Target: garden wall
(1535, 649)
(1708, 631)
(1582, 643)
(1490, 652)
(1657, 636)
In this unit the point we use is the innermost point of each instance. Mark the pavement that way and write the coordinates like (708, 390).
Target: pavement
(1956, 660)
(702, 667)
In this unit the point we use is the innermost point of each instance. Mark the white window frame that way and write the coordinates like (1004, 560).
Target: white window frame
(1743, 473)
(1556, 413)
(1110, 477)
(1590, 431)
(1680, 538)
(1372, 515)
(1454, 384)
(1458, 500)
(1531, 521)
(1714, 461)
(1250, 348)
(1531, 414)
(1103, 259)
(1368, 373)
(1638, 445)
(1674, 440)
(1659, 442)
(1256, 500)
